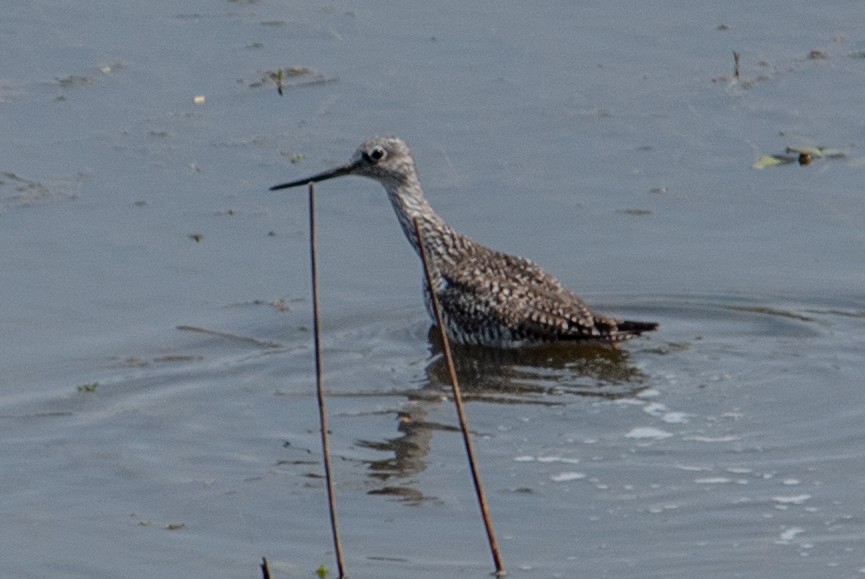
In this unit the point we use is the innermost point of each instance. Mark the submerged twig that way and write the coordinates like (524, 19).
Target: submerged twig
(229, 336)
(458, 402)
(735, 65)
(319, 388)
(279, 83)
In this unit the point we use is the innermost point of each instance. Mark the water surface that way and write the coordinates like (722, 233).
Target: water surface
(610, 145)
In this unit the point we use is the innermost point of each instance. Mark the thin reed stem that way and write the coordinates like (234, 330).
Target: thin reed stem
(319, 388)
(458, 402)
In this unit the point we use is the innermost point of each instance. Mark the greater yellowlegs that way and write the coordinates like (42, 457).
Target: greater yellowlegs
(487, 297)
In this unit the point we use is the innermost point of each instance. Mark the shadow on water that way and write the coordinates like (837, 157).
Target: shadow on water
(521, 376)
(530, 376)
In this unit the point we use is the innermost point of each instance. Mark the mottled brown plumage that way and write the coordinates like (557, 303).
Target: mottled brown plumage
(487, 297)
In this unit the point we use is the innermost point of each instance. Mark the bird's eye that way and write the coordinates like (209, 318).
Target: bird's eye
(376, 154)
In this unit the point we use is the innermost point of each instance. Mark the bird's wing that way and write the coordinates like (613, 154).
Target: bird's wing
(519, 295)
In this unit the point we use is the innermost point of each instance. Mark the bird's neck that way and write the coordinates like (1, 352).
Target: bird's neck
(409, 203)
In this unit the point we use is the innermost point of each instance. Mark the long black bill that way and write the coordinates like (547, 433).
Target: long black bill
(338, 172)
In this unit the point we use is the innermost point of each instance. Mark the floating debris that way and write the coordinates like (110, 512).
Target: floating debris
(29, 190)
(131, 362)
(801, 155)
(173, 358)
(89, 387)
(292, 76)
(111, 68)
(229, 336)
(818, 152)
(772, 161)
(737, 79)
(76, 80)
(298, 71)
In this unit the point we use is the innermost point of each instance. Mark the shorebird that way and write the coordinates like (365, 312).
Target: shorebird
(487, 297)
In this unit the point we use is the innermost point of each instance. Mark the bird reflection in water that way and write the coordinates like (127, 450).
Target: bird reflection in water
(549, 375)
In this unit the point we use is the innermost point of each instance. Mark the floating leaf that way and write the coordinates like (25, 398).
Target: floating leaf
(818, 152)
(804, 156)
(772, 161)
(89, 387)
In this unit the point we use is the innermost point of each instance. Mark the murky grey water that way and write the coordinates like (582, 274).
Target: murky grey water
(608, 143)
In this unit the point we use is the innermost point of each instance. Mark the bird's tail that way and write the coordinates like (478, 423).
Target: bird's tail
(636, 328)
